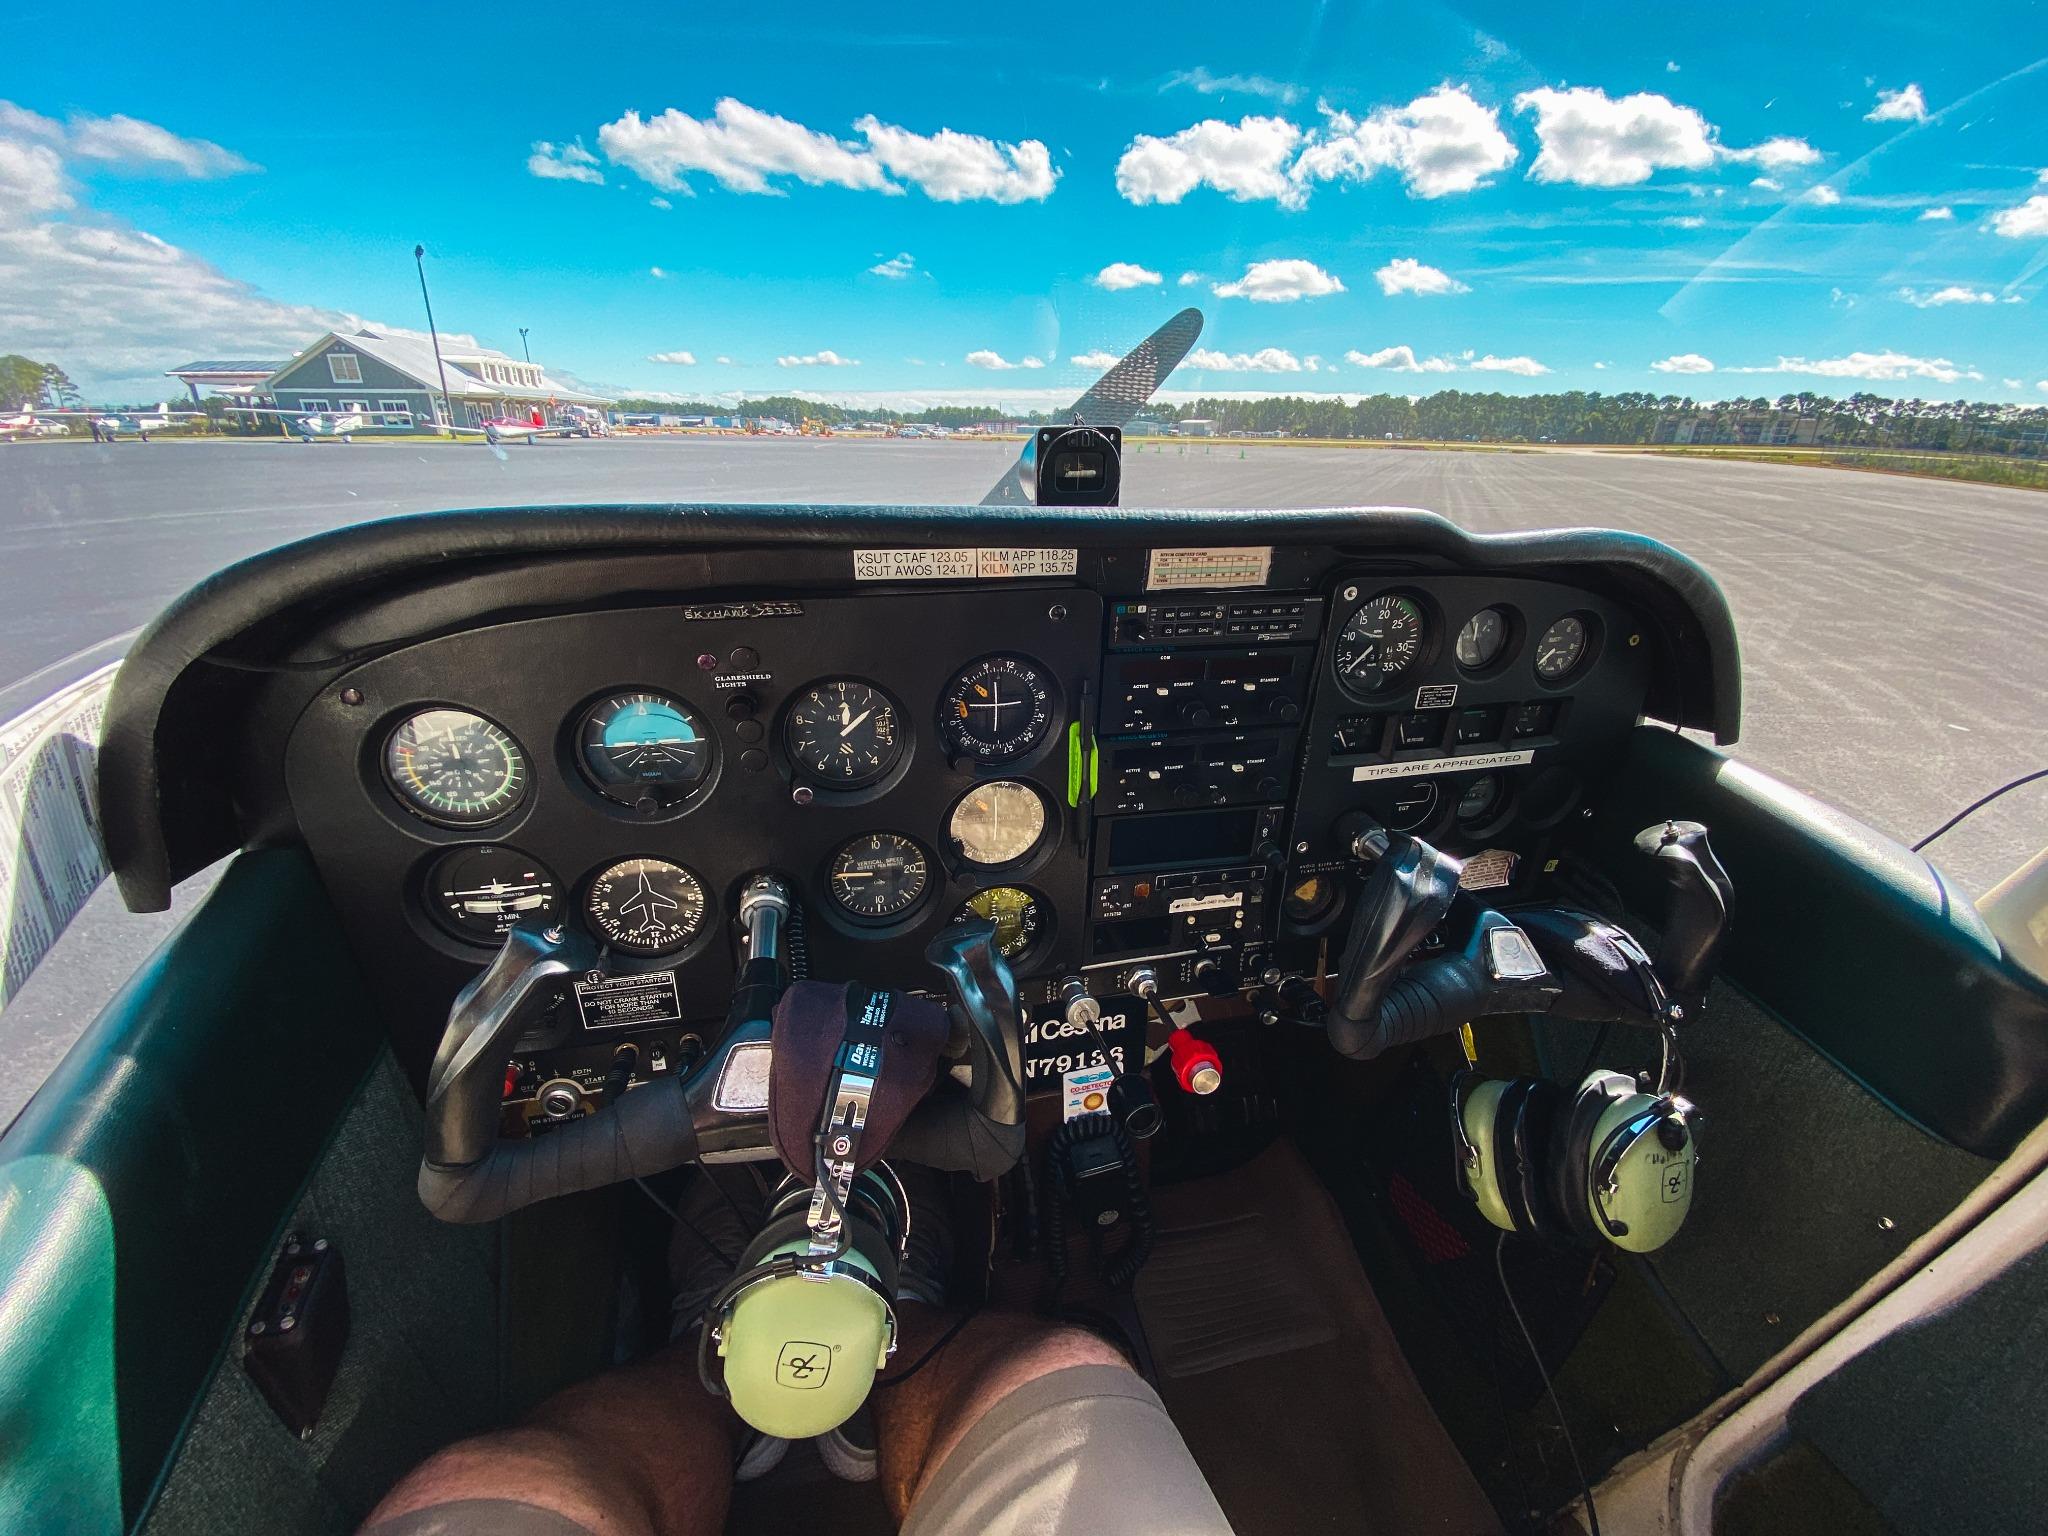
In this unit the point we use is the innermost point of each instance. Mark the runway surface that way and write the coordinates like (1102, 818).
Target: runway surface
(1895, 631)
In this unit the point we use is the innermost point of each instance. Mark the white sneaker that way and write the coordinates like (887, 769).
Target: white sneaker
(763, 1454)
(849, 1451)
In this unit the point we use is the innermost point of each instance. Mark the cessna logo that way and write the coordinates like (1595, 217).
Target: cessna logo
(803, 1365)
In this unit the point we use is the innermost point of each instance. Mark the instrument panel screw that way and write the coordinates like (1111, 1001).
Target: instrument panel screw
(552, 935)
(1771, 1318)
(1302, 846)
(802, 794)
(1635, 639)
(259, 1326)
(1885, 1224)
(1349, 593)
(1057, 613)
(352, 696)
(319, 1245)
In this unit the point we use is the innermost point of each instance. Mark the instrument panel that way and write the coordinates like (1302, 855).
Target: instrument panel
(1117, 780)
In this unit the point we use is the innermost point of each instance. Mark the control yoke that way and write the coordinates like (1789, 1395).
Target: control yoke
(1529, 960)
(468, 1174)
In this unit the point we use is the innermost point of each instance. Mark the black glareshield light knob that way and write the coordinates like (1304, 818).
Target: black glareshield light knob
(1698, 905)
(530, 975)
(981, 1002)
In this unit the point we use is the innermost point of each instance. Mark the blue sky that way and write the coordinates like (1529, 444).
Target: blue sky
(1364, 198)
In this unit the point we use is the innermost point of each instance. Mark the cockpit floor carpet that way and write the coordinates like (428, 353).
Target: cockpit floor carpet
(1281, 1370)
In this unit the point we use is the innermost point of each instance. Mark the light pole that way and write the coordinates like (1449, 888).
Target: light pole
(523, 346)
(419, 258)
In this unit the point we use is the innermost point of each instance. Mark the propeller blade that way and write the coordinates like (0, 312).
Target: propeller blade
(1112, 400)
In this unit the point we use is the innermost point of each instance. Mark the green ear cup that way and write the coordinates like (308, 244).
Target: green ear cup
(1480, 1114)
(801, 1351)
(1640, 1187)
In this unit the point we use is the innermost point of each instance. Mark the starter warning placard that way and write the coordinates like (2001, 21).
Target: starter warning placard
(629, 1002)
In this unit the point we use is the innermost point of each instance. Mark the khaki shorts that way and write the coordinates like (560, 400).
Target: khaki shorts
(1085, 1449)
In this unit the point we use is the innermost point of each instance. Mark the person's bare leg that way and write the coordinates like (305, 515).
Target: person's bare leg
(919, 1420)
(638, 1451)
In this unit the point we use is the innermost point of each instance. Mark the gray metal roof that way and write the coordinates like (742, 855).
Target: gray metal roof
(265, 366)
(414, 356)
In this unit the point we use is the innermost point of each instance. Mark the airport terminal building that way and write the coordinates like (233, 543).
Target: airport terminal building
(394, 381)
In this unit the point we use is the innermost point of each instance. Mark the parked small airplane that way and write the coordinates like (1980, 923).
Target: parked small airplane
(311, 424)
(25, 423)
(111, 424)
(571, 421)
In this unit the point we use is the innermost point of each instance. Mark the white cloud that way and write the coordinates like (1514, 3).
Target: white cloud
(1404, 274)
(31, 180)
(1280, 282)
(1683, 362)
(723, 359)
(1823, 196)
(680, 359)
(123, 140)
(955, 167)
(742, 148)
(995, 360)
(1400, 360)
(1955, 293)
(1265, 360)
(1188, 279)
(1527, 367)
(2028, 218)
(1126, 274)
(1772, 154)
(823, 358)
(900, 265)
(1684, 221)
(1768, 184)
(659, 202)
(1885, 367)
(1601, 365)
(1246, 161)
(112, 304)
(564, 162)
(1242, 85)
(1439, 143)
(657, 272)
(1591, 139)
(1095, 359)
(1594, 140)
(1935, 215)
(1901, 106)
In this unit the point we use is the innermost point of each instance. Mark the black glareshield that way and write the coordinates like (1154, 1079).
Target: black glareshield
(1077, 466)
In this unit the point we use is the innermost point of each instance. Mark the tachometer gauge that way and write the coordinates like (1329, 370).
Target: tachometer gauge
(647, 906)
(480, 894)
(1019, 919)
(1380, 642)
(843, 733)
(997, 823)
(643, 749)
(995, 709)
(1561, 648)
(1480, 641)
(455, 768)
(879, 874)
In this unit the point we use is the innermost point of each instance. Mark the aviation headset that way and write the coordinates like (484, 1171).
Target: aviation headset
(808, 1317)
(1612, 1160)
